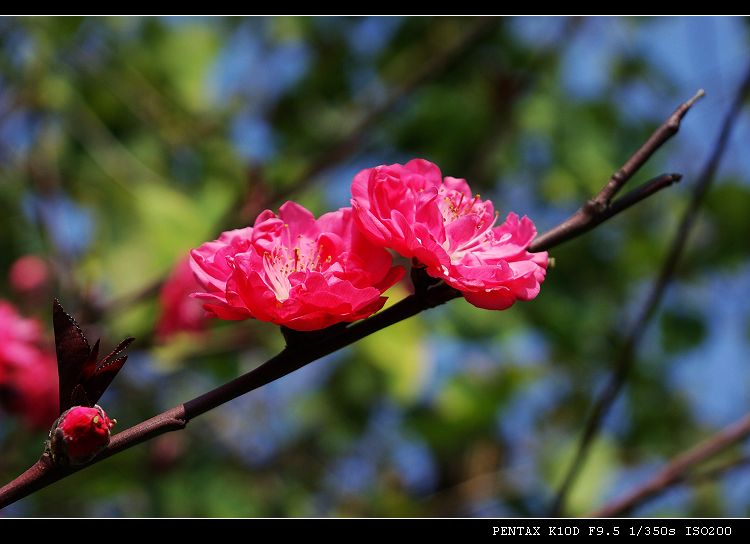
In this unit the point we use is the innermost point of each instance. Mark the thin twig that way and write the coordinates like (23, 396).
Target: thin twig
(676, 470)
(668, 129)
(626, 356)
(595, 210)
(583, 221)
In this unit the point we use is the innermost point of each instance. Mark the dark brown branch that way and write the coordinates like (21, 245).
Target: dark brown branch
(43, 473)
(677, 469)
(626, 356)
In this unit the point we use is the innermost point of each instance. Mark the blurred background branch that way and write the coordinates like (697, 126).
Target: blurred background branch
(677, 470)
(627, 352)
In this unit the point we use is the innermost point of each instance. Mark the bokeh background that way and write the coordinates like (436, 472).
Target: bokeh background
(124, 142)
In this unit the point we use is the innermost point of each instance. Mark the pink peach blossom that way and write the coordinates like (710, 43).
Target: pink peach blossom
(28, 371)
(412, 209)
(29, 390)
(178, 311)
(293, 270)
(18, 336)
(212, 264)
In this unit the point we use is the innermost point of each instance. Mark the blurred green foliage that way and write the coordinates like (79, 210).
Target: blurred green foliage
(126, 141)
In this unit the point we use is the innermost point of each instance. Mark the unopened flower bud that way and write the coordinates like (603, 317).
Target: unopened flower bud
(79, 434)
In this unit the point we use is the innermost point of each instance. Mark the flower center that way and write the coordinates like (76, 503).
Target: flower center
(282, 262)
(454, 205)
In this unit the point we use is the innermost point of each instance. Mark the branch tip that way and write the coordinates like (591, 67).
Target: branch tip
(697, 96)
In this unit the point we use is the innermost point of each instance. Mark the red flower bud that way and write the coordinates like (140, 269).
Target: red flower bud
(79, 434)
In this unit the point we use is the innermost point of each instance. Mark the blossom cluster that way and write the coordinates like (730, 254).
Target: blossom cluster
(306, 273)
